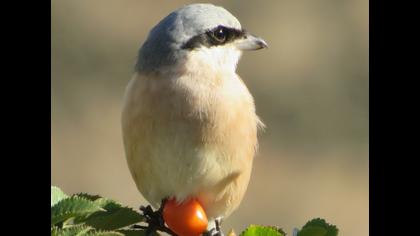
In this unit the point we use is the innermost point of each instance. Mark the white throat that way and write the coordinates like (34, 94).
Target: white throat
(220, 59)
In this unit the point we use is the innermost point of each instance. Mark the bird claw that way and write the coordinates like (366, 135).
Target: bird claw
(154, 220)
(216, 231)
(213, 232)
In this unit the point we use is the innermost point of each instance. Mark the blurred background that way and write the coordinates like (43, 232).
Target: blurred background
(310, 88)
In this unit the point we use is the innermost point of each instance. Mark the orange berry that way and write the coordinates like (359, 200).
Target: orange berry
(185, 219)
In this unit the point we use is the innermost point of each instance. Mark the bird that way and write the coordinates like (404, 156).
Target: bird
(189, 123)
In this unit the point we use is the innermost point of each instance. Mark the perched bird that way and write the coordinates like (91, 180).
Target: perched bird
(189, 123)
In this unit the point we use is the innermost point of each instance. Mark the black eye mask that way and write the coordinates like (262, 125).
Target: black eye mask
(214, 37)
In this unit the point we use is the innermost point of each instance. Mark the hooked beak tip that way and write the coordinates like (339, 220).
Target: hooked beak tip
(251, 42)
(262, 43)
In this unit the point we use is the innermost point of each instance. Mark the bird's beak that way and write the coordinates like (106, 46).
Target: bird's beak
(250, 42)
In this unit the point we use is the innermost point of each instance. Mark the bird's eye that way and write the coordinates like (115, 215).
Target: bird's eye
(220, 34)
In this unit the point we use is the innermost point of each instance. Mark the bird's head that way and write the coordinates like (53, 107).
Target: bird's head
(193, 37)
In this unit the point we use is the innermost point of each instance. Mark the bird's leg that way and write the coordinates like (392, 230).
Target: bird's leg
(216, 231)
(218, 222)
(154, 220)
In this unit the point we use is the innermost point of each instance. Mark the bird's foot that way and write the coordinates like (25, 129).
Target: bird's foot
(216, 231)
(154, 220)
(213, 232)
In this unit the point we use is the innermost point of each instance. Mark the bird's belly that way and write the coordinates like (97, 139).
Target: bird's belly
(171, 162)
(174, 152)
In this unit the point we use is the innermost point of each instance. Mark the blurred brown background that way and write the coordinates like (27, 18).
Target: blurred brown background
(310, 88)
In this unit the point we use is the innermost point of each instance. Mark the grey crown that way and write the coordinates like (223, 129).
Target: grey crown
(163, 45)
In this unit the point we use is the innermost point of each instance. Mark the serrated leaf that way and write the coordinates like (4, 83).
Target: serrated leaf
(82, 230)
(87, 196)
(101, 202)
(57, 195)
(72, 207)
(108, 204)
(103, 233)
(70, 231)
(313, 231)
(318, 227)
(258, 230)
(54, 230)
(114, 217)
(129, 232)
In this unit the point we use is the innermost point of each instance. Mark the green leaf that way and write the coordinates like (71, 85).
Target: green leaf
(57, 195)
(82, 230)
(318, 227)
(114, 217)
(107, 204)
(103, 233)
(81, 219)
(128, 232)
(99, 201)
(70, 231)
(257, 230)
(313, 231)
(87, 196)
(72, 207)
